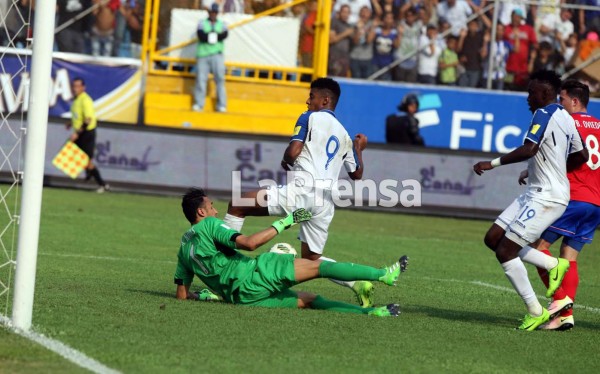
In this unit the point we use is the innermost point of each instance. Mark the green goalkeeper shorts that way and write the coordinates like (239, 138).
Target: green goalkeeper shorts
(269, 284)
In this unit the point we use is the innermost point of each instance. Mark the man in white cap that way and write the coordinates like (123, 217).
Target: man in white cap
(211, 34)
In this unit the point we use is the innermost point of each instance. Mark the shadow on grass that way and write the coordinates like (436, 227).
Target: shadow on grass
(170, 295)
(461, 315)
(473, 316)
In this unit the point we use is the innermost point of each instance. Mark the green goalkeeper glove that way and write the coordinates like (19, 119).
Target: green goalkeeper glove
(297, 216)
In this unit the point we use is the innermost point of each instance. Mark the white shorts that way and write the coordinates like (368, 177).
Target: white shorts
(526, 218)
(283, 200)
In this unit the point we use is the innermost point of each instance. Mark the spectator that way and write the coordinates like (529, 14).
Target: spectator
(456, 13)
(507, 9)
(545, 15)
(449, 62)
(544, 58)
(361, 55)
(586, 48)
(471, 47)
(409, 32)
(355, 6)
(522, 39)
(211, 35)
(429, 55)
(13, 32)
(387, 40)
(133, 13)
(589, 20)
(259, 6)
(340, 39)
(83, 121)
(404, 129)
(567, 49)
(71, 38)
(102, 35)
(564, 27)
(499, 50)
(307, 34)
(381, 7)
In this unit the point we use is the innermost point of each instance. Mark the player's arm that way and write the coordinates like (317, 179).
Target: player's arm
(256, 240)
(359, 145)
(576, 159)
(523, 153)
(183, 293)
(291, 154)
(294, 149)
(183, 279)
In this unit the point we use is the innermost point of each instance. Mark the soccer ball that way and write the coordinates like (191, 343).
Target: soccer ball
(284, 248)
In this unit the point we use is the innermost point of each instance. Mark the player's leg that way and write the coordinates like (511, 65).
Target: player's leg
(305, 270)
(498, 229)
(313, 236)
(309, 300)
(531, 221)
(584, 228)
(515, 271)
(252, 203)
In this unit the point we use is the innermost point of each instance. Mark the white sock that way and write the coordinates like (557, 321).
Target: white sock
(234, 222)
(536, 258)
(349, 284)
(517, 275)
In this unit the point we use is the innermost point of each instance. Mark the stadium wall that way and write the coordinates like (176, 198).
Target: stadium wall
(139, 159)
(453, 118)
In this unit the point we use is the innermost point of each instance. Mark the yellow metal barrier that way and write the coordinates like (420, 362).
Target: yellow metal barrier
(158, 63)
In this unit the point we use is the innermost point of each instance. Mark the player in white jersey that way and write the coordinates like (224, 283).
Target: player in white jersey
(318, 149)
(551, 143)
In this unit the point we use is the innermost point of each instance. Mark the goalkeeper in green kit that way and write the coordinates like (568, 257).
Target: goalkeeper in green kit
(209, 250)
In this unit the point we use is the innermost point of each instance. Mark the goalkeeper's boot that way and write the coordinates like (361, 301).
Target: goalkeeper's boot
(559, 323)
(531, 323)
(556, 275)
(208, 295)
(364, 293)
(557, 306)
(393, 272)
(390, 310)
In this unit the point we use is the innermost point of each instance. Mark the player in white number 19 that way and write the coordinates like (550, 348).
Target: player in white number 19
(551, 143)
(578, 223)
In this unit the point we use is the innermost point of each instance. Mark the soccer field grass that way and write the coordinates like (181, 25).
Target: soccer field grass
(105, 287)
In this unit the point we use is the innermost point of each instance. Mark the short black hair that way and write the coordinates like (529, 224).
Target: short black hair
(328, 84)
(79, 79)
(549, 77)
(191, 201)
(578, 90)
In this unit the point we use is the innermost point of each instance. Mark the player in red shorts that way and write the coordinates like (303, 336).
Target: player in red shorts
(579, 221)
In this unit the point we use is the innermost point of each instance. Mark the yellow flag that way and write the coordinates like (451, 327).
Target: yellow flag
(71, 160)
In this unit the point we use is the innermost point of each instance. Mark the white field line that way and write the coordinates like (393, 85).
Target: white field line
(76, 357)
(106, 258)
(508, 289)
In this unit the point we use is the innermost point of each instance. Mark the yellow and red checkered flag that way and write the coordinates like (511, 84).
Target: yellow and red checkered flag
(71, 160)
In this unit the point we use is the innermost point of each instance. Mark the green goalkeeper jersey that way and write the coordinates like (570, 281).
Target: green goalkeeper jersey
(208, 251)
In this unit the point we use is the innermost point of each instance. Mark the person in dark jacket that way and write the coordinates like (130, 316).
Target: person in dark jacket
(404, 129)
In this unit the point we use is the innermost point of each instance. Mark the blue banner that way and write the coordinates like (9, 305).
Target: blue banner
(455, 118)
(113, 84)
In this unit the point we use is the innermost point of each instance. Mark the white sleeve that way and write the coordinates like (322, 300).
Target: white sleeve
(350, 159)
(576, 142)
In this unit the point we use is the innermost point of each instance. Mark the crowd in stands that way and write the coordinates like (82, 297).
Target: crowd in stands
(96, 27)
(445, 42)
(450, 42)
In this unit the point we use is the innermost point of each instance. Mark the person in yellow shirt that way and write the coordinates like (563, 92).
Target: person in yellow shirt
(83, 122)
